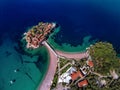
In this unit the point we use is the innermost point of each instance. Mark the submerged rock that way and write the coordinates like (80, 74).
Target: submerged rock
(8, 53)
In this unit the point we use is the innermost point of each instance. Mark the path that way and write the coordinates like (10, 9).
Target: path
(64, 66)
(58, 67)
(98, 74)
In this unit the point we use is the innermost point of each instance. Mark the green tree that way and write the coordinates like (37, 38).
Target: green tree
(104, 57)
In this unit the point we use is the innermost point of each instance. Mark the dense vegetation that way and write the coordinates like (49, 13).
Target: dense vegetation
(63, 62)
(55, 80)
(104, 57)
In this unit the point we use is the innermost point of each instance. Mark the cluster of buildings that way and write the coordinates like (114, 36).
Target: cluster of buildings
(75, 76)
(38, 33)
(78, 76)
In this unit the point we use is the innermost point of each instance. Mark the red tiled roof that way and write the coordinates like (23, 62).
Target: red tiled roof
(81, 74)
(75, 75)
(83, 83)
(90, 63)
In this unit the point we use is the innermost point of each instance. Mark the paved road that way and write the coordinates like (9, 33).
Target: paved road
(64, 66)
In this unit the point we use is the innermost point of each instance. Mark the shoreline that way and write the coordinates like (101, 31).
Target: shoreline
(47, 81)
(54, 55)
(75, 55)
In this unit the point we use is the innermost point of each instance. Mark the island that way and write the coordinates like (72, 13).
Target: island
(95, 68)
(38, 33)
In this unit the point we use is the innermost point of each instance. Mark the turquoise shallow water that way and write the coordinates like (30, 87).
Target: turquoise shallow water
(68, 47)
(28, 76)
(30, 73)
(82, 22)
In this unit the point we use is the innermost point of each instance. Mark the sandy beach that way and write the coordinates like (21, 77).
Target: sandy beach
(46, 84)
(51, 70)
(72, 55)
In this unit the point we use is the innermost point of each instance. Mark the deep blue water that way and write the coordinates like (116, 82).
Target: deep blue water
(77, 18)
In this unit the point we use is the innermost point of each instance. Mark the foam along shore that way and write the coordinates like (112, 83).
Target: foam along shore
(78, 55)
(46, 84)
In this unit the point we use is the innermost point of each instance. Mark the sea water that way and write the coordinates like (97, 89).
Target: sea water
(27, 72)
(82, 22)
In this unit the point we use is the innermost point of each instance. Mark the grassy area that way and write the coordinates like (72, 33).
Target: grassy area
(55, 80)
(65, 69)
(63, 62)
(80, 63)
(75, 87)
